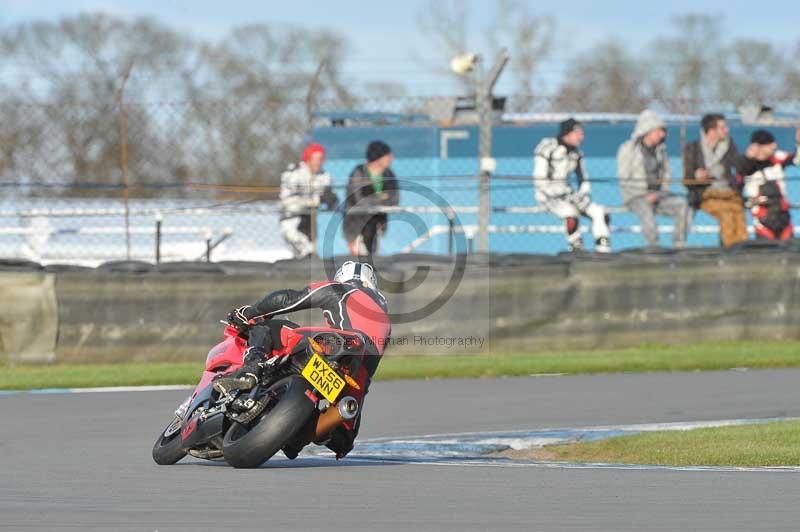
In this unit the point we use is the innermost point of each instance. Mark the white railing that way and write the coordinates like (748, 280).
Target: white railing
(92, 231)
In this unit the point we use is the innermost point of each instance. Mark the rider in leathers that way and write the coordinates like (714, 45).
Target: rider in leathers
(555, 159)
(350, 301)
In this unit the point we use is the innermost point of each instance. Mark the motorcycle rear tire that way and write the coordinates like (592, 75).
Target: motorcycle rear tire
(245, 448)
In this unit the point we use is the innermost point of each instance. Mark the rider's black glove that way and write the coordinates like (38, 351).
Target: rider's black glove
(241, 317)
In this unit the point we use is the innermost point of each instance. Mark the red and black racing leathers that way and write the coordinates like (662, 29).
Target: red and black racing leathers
(346, 306)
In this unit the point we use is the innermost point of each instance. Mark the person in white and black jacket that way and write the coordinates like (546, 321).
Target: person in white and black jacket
(765, 185)
(303, 187)
(555, 160)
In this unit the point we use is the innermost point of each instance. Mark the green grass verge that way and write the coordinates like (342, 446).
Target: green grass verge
(98, 375)
(760, 445)
(723, 355)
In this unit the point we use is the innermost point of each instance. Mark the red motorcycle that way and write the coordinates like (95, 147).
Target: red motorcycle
(310, 391)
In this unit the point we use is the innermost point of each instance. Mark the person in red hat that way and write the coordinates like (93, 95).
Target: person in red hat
(303, 187)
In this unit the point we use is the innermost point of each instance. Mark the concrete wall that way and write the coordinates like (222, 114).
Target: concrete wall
(502, 304)
(28, 317)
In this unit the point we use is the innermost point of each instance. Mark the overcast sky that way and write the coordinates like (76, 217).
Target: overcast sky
(384, 35)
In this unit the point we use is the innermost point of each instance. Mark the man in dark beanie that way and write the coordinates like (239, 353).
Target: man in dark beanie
(377, 149)
(555, 161)
(765, 185)
(372, 184)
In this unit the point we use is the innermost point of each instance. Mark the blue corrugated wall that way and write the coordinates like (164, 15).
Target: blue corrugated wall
(436, 157)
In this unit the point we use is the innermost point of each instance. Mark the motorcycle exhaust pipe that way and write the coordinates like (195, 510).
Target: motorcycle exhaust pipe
(346, 410)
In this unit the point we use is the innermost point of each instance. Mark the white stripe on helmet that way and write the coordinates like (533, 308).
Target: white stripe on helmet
(357, 271)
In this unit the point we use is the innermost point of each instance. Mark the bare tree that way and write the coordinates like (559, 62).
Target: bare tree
(388, 90)
(443, 24)
(20, 134)
(752, 72)
(603, 79)
(684, 66)
(790, 86)
(224, 113)
(264, 74)
(528, 37)
(75, 66)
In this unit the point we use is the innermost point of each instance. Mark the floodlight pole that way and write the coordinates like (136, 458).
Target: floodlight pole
(483, 100)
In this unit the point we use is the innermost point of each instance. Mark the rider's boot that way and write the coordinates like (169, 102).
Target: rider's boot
(245, 377)
(260, 342)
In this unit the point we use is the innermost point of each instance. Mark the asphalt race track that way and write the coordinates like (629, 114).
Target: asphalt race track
(82, 462)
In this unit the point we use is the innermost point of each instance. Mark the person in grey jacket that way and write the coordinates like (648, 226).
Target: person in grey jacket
(644, 175)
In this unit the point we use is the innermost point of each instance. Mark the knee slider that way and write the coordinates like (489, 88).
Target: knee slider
(572, 225)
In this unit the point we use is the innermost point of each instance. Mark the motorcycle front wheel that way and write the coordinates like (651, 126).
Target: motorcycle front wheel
(168, 450)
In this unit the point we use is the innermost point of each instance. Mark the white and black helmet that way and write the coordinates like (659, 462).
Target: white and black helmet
(357, 271)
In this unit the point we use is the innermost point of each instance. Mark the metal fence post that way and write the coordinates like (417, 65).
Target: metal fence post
(483, 95)
(451, 230)
(159, 221)
(123, 157)
(483, 101)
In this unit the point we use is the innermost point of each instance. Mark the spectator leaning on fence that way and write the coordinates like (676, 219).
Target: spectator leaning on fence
(372, 185)
(765, 185)
(644, 175)
(555, 160)
(709, 173)
(303, 187)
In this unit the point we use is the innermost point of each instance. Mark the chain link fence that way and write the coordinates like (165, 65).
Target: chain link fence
(89, 182)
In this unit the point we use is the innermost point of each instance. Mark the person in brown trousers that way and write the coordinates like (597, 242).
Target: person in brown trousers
(709, 173)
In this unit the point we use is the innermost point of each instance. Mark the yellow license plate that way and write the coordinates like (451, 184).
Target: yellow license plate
(324, 378)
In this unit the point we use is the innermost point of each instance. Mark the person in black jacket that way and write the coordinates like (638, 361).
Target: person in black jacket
(709, 174)
(372, 184)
